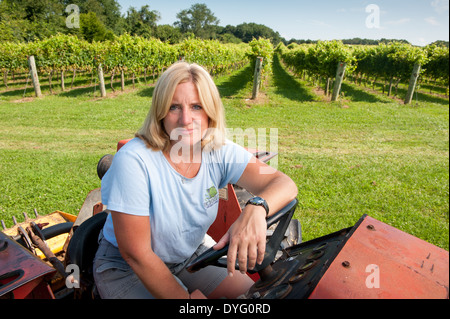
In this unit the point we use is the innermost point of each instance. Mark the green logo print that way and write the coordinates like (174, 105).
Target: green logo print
(212, 191)
(212, 197)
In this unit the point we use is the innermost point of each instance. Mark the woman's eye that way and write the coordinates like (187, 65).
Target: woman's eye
(174, 107)
(197, 107)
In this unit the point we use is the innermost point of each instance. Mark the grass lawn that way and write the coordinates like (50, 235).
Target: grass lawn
(368, 154)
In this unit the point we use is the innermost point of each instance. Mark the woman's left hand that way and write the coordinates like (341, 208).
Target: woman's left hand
(247, 236)
(247, 239)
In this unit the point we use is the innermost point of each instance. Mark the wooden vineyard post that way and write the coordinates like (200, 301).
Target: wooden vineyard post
(34, 76)
(412, 83)
(257, 77)
(101, 81)
(62, 81)
(338, 82)
(122, 80)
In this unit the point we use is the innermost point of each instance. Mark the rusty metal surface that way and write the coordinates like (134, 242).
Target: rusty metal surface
(56, 243)
(38, 240)
(381, 262)
(20, 271)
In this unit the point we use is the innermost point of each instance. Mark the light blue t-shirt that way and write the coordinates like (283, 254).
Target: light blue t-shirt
(141, 182)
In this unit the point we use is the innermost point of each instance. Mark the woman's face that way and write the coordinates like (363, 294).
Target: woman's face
(186, 121)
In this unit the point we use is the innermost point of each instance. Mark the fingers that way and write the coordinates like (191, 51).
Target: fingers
(231, 258)
(261, 252)
(222, 242)
(242, 259)
(248, 254)
(247, 240)
(255, 253)
(252, 253)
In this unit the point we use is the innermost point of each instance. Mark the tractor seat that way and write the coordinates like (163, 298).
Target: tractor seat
(83, 245)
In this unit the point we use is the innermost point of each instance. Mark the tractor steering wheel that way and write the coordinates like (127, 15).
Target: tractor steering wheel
(212, 257)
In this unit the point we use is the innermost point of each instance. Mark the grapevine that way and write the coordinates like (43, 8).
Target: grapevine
(391, 62)
(126, 53)
(261, 48)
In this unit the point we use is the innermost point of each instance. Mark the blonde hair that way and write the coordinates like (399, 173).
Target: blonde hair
(153, 133)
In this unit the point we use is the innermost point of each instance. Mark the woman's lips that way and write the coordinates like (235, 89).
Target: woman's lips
(184, 131)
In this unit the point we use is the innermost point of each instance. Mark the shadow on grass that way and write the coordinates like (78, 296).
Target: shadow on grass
(45, 90)
(236, 82)
(423, 97)
(90, 90)
(359, 95)
(288, 86)
(81, 91)
(147, 92)
(84, 89)
(17, 93)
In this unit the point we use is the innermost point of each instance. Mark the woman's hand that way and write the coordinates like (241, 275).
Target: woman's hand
(247, 236)
(247, 239)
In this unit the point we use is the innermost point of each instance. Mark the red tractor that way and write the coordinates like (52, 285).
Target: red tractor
(44, 258)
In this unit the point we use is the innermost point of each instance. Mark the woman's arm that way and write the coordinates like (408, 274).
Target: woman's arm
(247, 236)
(264, 181)
(133, 236)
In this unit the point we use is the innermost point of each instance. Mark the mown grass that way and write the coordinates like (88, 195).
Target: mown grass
(368, 154)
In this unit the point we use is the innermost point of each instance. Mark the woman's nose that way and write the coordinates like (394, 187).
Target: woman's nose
(185, 116)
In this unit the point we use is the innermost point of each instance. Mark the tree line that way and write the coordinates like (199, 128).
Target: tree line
(99, 20)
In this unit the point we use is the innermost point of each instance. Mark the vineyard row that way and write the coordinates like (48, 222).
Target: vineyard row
(129, 53)
(390, 62)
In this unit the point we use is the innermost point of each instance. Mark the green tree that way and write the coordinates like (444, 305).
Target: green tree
(199, 20)
(10, 23)
(92, 29)
(168, 33)
(229, 38)
(107, 11)
(142, 22)
(28, 20)
(249, 31)
(49, 11)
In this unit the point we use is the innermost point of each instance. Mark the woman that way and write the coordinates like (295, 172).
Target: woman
(162, 194)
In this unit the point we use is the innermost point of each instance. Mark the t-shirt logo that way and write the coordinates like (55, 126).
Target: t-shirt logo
(211, 197)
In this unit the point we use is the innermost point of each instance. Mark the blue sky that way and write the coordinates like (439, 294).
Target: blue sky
(418, 21)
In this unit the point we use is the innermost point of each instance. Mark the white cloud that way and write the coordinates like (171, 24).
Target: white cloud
(398, 22)
(422, 41)
(440, 6)
(432, 21)
(318, 23)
